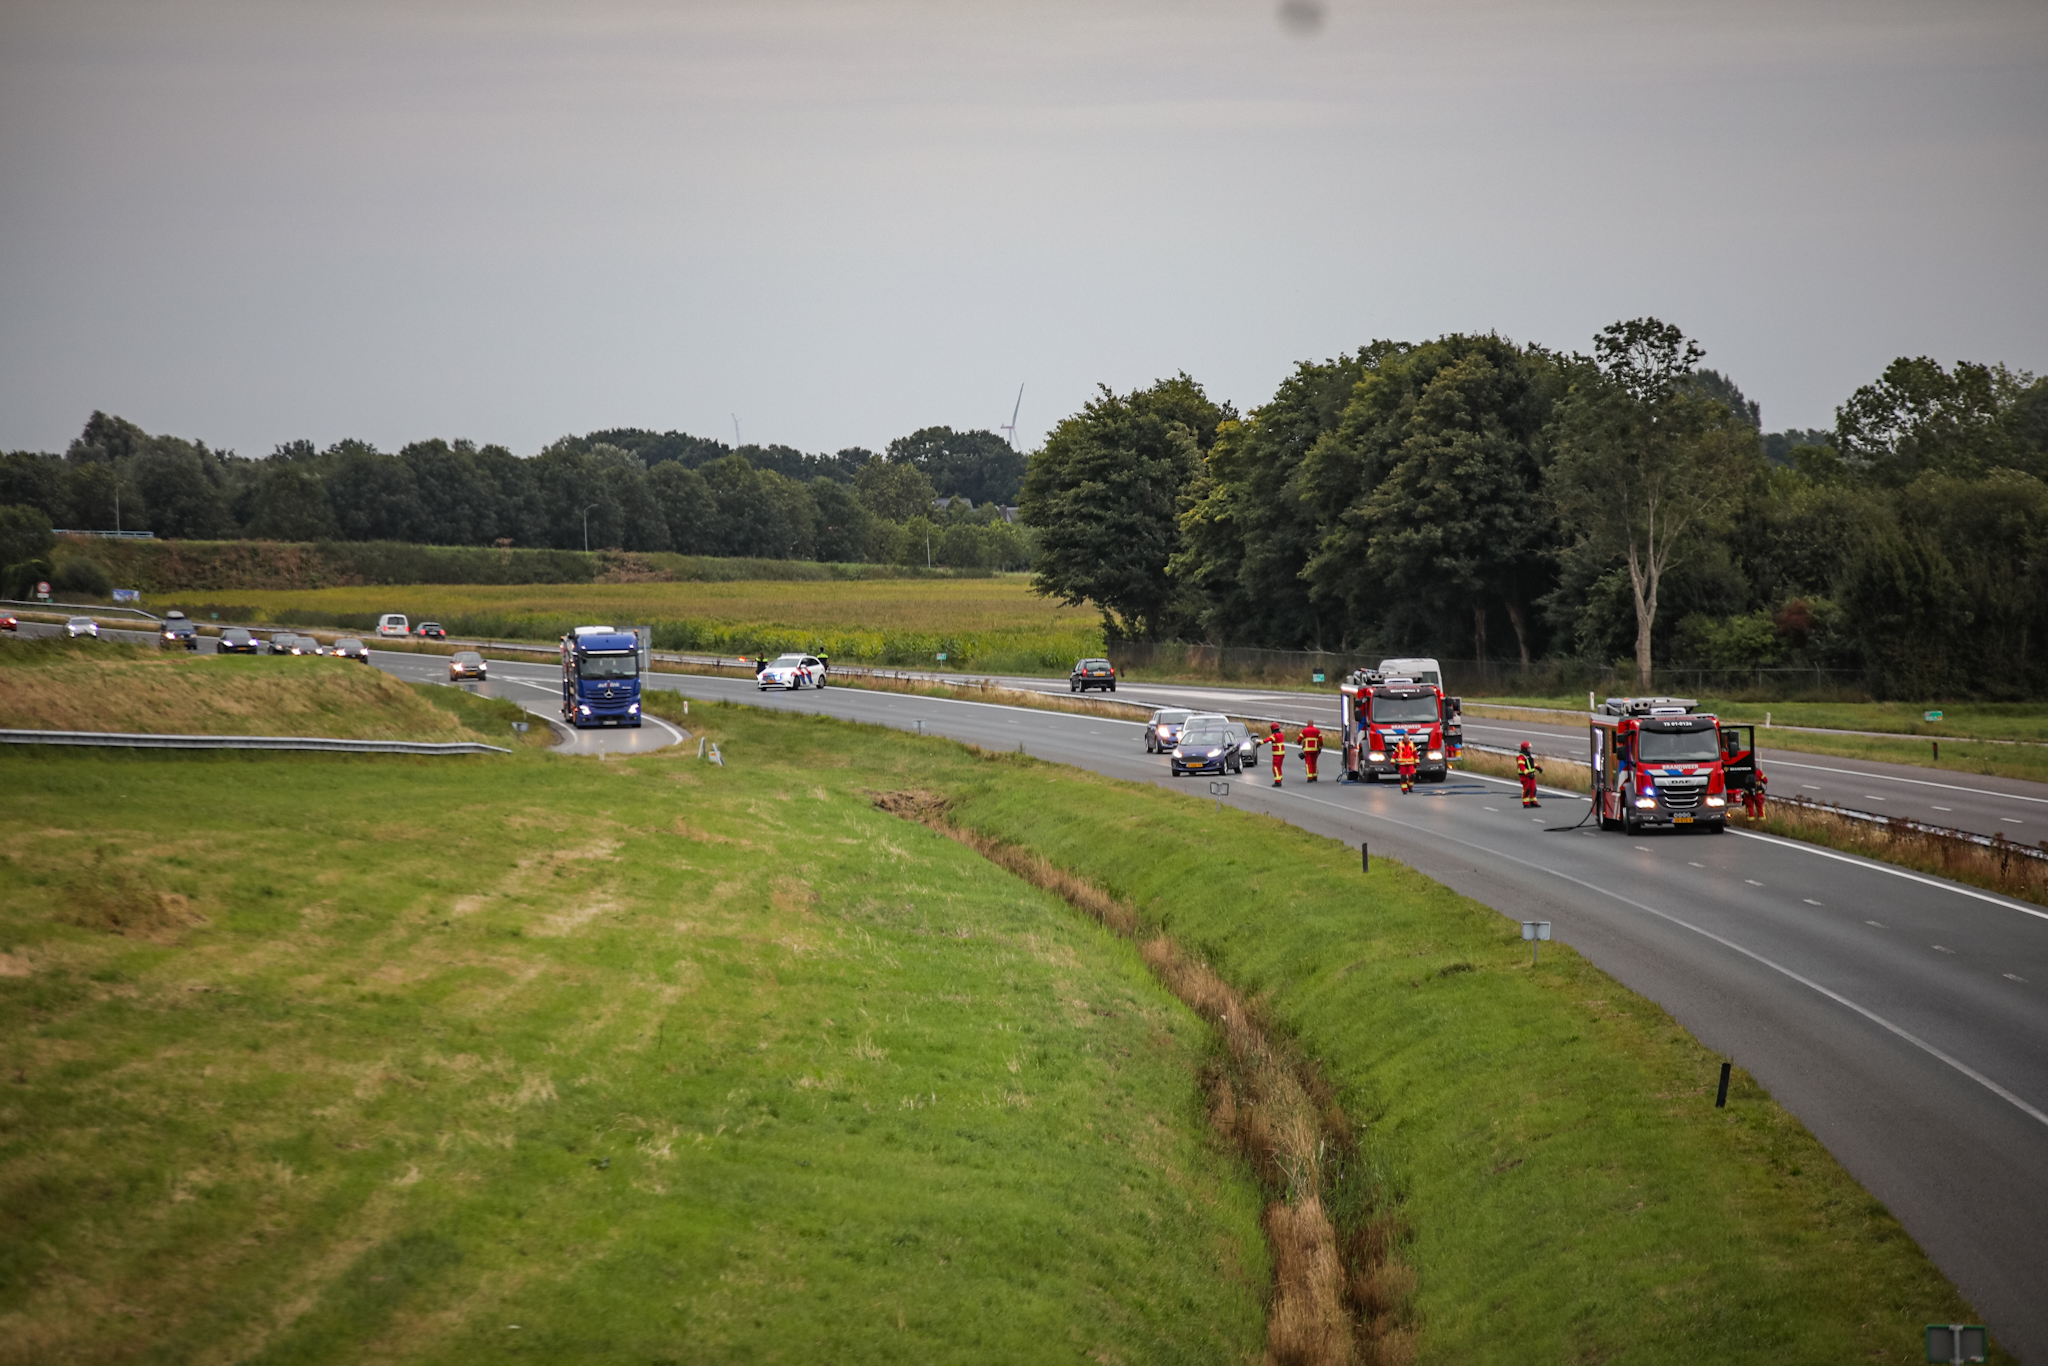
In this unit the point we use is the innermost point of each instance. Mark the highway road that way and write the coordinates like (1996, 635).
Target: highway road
(1903, 1019)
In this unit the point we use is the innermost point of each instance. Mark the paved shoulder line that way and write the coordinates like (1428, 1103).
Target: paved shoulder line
(1917, 782)
(107, 739)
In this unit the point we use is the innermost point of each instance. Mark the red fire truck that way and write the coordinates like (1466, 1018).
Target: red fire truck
(1378, 711)
(1658, 761)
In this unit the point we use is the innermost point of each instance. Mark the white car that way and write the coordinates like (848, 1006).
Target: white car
(393, 624)
(1421, 670)
(791, 672)
(82, 626)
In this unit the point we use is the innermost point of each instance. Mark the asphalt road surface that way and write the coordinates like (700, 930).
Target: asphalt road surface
(1903, 1019)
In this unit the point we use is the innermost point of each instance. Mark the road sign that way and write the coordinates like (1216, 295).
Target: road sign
(1930, 716)
(942, 656)
(127, 595)
(1535, 931)
(43, 591)
(1956, 1343)
(1219, 791)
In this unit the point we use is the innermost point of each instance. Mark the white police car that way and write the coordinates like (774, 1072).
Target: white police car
(791, 672)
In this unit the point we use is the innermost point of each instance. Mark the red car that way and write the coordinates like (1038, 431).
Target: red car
(9, 624)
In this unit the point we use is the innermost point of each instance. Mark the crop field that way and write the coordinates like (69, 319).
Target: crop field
(995, 623)
(323, 1058)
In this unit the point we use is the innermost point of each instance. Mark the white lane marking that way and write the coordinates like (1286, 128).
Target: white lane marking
(1917, 782)
(1752, 882)
(1696, 865)
(2013, 976)
(1811, 787)
(1811, 902)
(1868, 798)
(680, 737)
(1644, 847)
(1941, 808)
(1941, 948)
(1489, 808)
(1972, 1073)
(1873, 922)
(2012, 820)
(1889, 871)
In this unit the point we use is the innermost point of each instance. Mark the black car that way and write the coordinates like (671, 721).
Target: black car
(1092, 673)
(348, 647)
(236, 640)
(1206, 751)
(179, 631)
(433, 630)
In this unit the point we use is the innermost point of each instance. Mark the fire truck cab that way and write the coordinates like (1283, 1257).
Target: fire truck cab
(1379, 710)
(1660, 762)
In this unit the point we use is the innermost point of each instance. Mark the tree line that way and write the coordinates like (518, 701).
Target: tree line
(624, 488)
(1472, 497)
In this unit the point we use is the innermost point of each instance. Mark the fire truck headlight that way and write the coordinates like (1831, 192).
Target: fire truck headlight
(1646, 803)
(1717, 800)
(1378, 756)
(1436, 754)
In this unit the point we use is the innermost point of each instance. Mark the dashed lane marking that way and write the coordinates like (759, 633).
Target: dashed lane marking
(1941, 948)
(2012, 976)
(1811, 902)
(1873, 922)
(1752, 882)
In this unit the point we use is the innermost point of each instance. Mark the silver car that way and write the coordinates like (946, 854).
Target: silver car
(81, 626)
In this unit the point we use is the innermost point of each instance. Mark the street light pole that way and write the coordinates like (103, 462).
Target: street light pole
(586, 529)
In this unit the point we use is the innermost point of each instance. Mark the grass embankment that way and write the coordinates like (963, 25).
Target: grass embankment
(1548, 1138)
(66, 685)
(333, 1059)
(996, 624)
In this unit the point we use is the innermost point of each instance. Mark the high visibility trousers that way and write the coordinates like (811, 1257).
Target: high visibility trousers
(1528, 789)
(1308, 761)
(1407, 777)
(1279, 763)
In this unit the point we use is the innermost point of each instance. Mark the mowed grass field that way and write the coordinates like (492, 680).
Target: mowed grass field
(313, 1058)
(995, 623)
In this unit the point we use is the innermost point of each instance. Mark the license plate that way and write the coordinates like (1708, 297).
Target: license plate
(1681, 820)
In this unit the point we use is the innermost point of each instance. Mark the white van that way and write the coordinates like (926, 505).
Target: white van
(1421, 670)
(393, 624)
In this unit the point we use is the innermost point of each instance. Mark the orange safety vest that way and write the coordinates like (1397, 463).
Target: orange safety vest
(1405, 752)
(1525, 765)
(1311, 740)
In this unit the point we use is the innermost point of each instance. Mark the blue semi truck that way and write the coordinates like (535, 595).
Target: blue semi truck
(600, 677)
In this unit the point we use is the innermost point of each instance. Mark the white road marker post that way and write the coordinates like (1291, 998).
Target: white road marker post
(1535, 931)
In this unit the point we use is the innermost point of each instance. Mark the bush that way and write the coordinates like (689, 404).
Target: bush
(82, 574)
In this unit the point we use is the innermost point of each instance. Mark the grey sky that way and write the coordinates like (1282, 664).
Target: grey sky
(250, 222)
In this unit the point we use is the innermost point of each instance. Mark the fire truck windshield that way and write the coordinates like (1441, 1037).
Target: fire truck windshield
(1678, 746)
(1398, 711)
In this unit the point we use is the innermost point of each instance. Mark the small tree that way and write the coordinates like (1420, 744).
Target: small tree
(1646, 464)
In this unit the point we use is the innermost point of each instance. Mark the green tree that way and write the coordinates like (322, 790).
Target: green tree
(685, 501)
(845, 529)
(895, 491)
(1250, 527)
(373, 494)
(1105, 495)
(1449, 520)
(1646, 468)
(977, 465)
(1919, 417)
(292, 505)
(26, 544)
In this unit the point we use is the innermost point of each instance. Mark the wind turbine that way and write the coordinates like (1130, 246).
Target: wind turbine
(1011, 425)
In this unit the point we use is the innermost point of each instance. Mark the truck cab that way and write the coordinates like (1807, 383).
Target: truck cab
(601, 677)
(1659, 762)
(1378, 711)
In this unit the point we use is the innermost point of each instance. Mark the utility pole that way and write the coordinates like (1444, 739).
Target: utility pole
(586, 529)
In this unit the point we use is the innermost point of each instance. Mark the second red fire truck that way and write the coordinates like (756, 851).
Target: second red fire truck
(1661, 762)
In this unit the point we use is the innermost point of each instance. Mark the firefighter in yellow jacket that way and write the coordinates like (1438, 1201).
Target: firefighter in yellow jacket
(1278, 741)
(1526, 768)
(1405, 760)
(1311, 746)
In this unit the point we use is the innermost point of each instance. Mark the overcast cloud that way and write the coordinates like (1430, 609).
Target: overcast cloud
(249, 223)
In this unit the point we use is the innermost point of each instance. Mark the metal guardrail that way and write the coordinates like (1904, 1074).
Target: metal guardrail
(122, 740)
(78, 609)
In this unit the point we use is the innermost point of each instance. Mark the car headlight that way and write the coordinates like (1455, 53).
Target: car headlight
(1717, 800)
(1646, 803)
(1215, 754)
(1378, 756)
